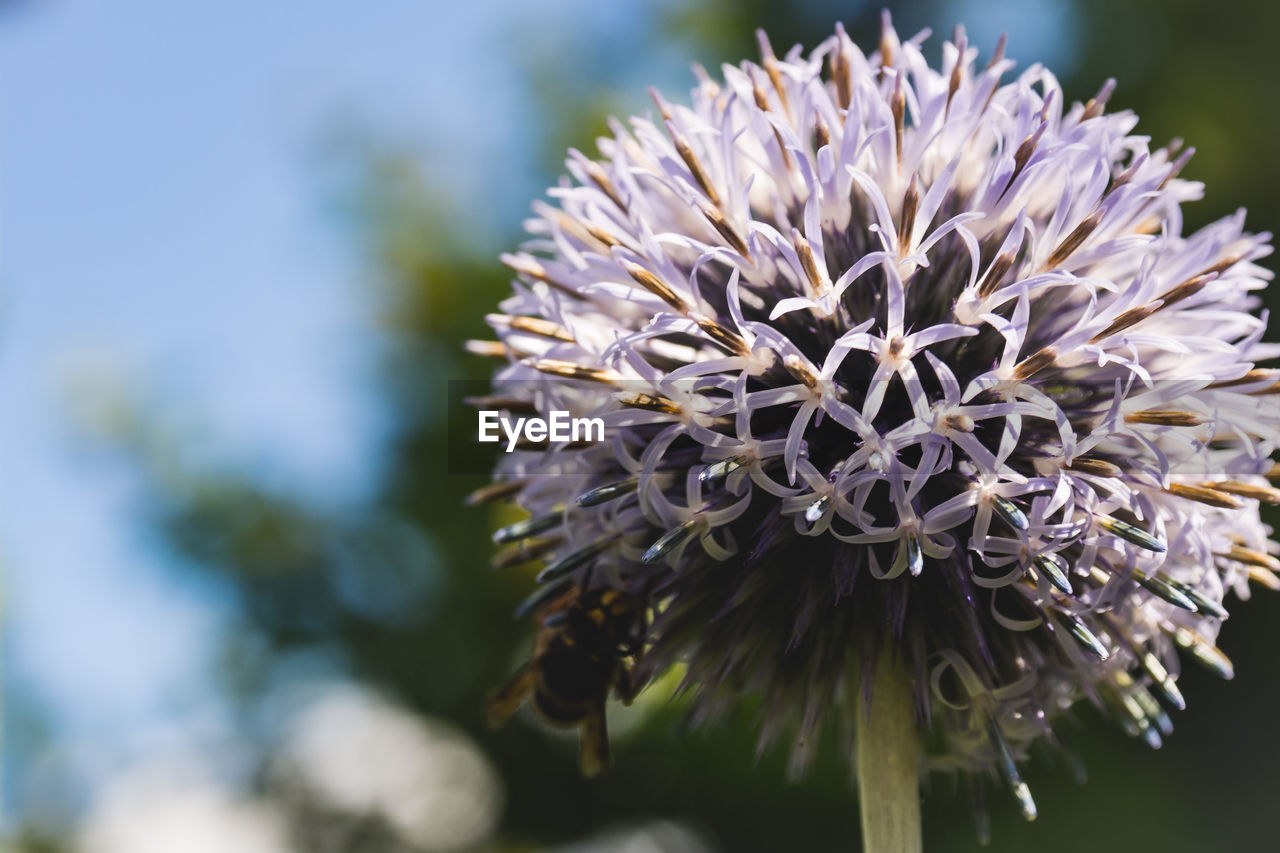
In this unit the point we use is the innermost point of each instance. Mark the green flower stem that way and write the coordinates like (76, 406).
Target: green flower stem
(888, 762)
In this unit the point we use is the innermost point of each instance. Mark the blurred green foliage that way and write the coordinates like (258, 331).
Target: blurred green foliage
(395, 587)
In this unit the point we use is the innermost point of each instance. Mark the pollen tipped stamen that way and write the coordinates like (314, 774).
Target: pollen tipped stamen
(1203, 603)
(490, 349)
(1125, 177)
(814, 512)
(1133, 707)
(601, 180)
(1166, 417)
(1127, 320)
(907, 220)
(570, 370)
(1187, 289)
(762, 104)
(691, 160)
(1152, 710)
(726, 339)
(726, 230)
(719, 470)
(1267, 378)
(887, 37)
(1011, 513)
(1034, 363)
(660, 102)
(1085, 637)
(531, 325)
(908, 556)
(711, 87)
(1129, 533)
(527, 527)
(1224, 263)
(1204, 652)
(526, 266)
(570, 226)
(1160, 586)
(841, 73)
(997, 55)
(1252, 557)
(797, 368)
(672, 540)
(608, 492)
(1009, 769)
(898, 106)
(1204, 494)
(995, 274)
(1265, 494)
(818, 283)
(821, 134)
(771, 67)
(1163, 681)
(1264, 578)
(954, 79)
(1048, 566)
(599, 234)
(1022, 156)
(1098, 102)
(1095, 467)
(648, 402)
(1177, 167)
(650, 282)
(1075, 239)
(526, 552)
(1252, 377)
(569, 563)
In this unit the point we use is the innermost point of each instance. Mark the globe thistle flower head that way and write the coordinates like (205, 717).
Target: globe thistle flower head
(896, 360)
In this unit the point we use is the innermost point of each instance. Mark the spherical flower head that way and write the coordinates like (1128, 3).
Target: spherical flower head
(896, 360)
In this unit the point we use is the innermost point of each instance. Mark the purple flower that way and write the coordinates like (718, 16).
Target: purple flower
(895, 356)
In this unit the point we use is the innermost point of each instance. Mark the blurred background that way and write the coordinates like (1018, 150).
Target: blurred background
(243, 608)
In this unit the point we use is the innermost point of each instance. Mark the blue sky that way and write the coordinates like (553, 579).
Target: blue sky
(167, 219)
(166, 222)
(163, 221)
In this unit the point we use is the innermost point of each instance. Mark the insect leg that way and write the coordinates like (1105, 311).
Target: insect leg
(507, 699)
(594, 752)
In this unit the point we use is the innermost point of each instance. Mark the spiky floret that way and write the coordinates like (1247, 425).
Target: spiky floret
(892, 354)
